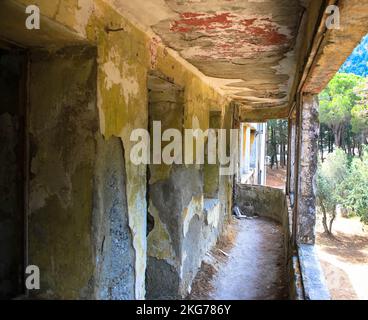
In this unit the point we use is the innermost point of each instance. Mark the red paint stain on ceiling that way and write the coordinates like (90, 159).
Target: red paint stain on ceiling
(230, 33)
(200, 21)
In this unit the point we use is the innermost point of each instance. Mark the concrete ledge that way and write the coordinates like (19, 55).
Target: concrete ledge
(262, 201)
(314, 283)
(296, 291)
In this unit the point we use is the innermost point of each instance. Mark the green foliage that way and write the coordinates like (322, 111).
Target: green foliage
(277, 141)
(344, 113)
(330, 175)
(353, 191)
(359, 119)
(343, 180)
(339, 98)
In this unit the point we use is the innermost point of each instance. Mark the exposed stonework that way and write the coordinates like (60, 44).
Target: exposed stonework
(114, 275)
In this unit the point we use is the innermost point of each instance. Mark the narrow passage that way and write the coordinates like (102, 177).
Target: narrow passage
(247, 264)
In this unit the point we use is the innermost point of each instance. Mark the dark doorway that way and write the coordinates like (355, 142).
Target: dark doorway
(13, 73)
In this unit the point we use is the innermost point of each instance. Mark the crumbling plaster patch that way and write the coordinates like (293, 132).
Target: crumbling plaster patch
(195, 207)
(124, 78)
(160, 240)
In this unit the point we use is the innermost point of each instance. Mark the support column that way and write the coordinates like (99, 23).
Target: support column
(288, 167)
(291, 160)
(307, 152)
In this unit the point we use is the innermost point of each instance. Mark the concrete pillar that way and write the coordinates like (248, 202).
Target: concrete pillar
(241, 152)
(247, 150)
(261, 169)
(291, 160)
(307, 152)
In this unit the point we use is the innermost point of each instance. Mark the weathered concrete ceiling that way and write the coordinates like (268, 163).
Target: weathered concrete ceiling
(257, 52)
(248, 45)
(337, 44)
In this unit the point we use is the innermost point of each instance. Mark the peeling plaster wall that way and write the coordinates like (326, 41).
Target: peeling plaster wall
(79, 234)
(63, 126)
(175, 200)
(185, 225)
(78, 222)
(123, 60)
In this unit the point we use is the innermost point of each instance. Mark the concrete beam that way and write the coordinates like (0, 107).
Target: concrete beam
(337, 44)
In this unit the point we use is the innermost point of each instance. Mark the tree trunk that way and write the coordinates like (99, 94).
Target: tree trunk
(331, 221)
(324, 218)
(285, 153)
(321, 146)
(338, 135)
(282, 158)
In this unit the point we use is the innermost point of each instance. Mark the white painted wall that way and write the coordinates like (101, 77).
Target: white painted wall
(246, 174)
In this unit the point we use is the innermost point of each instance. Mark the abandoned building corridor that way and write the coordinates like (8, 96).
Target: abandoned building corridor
(132, 132)
(253, 267)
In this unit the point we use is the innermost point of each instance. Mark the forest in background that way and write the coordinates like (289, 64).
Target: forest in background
(342, 177)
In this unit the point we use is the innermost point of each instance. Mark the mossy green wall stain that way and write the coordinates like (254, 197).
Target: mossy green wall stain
(60, 241)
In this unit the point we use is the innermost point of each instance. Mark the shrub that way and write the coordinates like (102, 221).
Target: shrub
(354, 189)
(330, 176)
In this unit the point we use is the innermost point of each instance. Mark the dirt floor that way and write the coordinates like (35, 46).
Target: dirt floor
(344, 258)
(276, 177)
(247, 264)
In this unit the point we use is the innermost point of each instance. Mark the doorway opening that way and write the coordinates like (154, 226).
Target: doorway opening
(252, 153)
(277, 153)
(13, 172)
